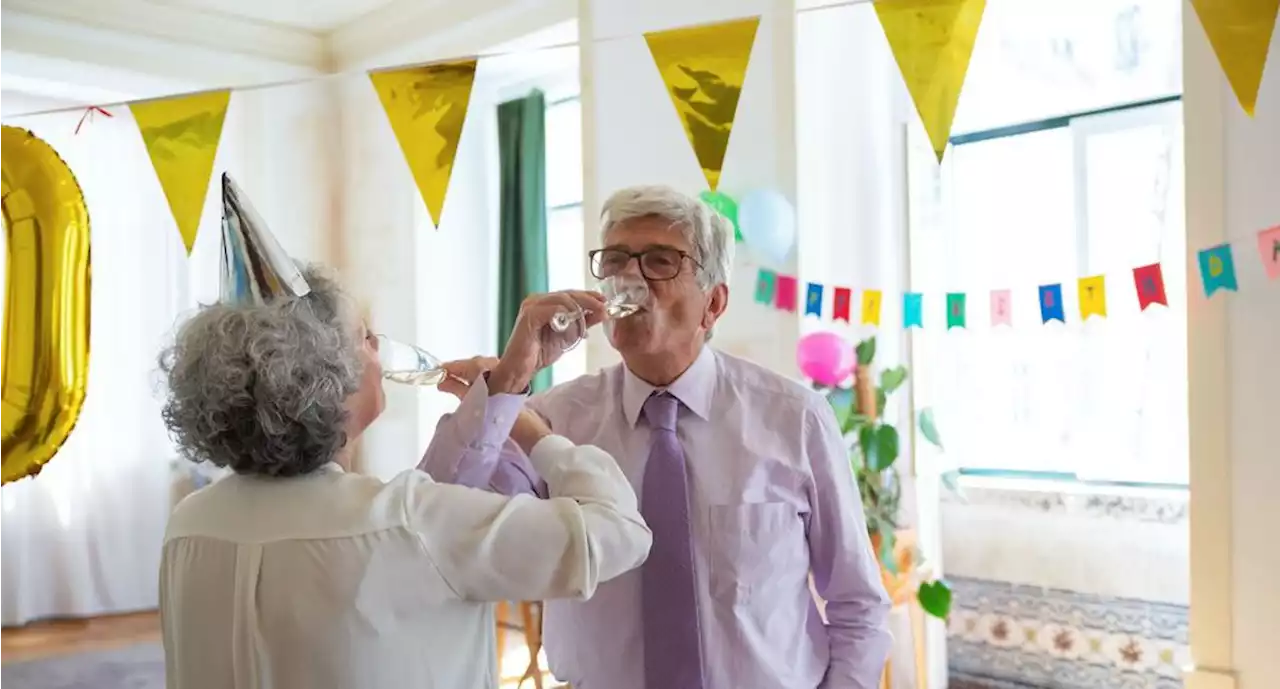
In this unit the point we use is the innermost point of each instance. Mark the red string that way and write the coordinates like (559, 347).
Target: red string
(89, 112)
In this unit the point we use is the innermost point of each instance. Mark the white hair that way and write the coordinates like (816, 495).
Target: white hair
(709, 233)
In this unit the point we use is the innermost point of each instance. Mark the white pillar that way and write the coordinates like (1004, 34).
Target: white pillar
(1233, 174)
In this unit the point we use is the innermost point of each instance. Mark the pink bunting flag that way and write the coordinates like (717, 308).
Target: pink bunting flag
(1269, 250)
(1001, 307)
(784, 297)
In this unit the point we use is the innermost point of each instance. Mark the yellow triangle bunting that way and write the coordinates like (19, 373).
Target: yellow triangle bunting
(932, 41)
(703, 68)
(181, 135)
(1240, 33)
(427, 107)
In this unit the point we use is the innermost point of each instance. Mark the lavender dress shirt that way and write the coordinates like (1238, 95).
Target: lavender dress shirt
(772, 499)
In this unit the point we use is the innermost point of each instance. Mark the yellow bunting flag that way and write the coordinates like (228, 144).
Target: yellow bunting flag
(1240, 33)
(1093, 297)
(181, 135)
(427, 107)
(932, 41)
(871, 307)
(703, 68)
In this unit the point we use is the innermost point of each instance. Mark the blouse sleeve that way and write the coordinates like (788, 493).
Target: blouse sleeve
(496, 547)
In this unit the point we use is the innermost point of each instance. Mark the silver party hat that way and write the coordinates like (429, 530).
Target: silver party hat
(255, 269)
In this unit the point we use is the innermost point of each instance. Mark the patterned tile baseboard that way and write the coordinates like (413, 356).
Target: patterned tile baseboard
(1010, 636)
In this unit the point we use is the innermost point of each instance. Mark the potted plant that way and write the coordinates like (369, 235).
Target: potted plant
(873, 453)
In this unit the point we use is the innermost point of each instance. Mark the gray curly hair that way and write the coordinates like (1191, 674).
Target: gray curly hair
(261, 389)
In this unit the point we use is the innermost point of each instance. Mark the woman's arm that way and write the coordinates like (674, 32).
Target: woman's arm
(495, 547)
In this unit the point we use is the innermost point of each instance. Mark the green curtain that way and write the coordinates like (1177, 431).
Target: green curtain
(522, 242)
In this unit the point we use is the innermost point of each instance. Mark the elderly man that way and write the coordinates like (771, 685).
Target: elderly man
(742, 475)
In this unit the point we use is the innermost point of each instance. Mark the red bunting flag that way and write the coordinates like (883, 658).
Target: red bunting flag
(840, 310)
(1149, 282)
(785, 294)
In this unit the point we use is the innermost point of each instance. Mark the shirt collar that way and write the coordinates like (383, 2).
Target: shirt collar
(693, 388)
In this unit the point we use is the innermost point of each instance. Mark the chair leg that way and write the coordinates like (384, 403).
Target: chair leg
(918, 645)
(500, 612)
(531, 618)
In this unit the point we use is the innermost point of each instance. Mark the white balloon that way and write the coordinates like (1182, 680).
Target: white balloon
(768, 224)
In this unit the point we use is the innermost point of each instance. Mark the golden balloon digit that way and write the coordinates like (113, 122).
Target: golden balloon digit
(46, 313)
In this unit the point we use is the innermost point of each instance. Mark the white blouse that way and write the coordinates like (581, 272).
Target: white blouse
(337, 580)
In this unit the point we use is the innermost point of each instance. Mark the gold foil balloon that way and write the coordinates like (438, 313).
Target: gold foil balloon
(46, 313)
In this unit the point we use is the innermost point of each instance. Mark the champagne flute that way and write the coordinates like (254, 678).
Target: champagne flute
(405, 363)
(624, 295)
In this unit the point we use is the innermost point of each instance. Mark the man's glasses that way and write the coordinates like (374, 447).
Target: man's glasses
(656, 263)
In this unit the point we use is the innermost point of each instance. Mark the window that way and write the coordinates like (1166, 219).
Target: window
(565, 243)
(1024, 203)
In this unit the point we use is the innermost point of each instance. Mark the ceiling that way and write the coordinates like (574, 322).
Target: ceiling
(94, 51)
(314, 16)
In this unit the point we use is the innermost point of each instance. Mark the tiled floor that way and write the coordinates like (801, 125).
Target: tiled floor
(65, 637)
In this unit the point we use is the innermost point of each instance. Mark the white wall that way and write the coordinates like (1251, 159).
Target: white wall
(1233, 172)
(633, 136)
(436, 287)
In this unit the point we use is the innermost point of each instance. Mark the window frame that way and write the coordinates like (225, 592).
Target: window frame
(559, 372)
(924, 172)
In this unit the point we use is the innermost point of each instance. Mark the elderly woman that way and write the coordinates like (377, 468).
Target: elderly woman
(294, 572)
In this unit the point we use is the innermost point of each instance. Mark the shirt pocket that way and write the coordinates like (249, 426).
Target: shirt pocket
(753, 547)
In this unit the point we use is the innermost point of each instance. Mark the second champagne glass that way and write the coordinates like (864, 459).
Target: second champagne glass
(405, 363)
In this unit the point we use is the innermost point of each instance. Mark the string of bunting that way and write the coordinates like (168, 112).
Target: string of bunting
(703, 69)
(1216, 264)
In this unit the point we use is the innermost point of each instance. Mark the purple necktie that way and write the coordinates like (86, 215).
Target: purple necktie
(672, 643)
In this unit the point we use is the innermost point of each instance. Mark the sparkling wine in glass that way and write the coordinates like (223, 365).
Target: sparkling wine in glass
(624, 294)
(405, 363)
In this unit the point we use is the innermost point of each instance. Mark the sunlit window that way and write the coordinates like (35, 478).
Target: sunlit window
(1066, 163)
(565, 242)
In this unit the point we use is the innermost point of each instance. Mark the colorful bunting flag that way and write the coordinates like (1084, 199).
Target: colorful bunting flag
(785, 294)
(1217, 269)
(764, 286)
(912, 310)
(871, 307)
(704, 68)
(427, 107)
(1001, 307)
(1240, 33)
(813, 300)
(1149, 281)
(955, 310)
(1051, 304)
(1093, 297)
(1269, 250)
(932, 41)
(840, 307)
(181, 135)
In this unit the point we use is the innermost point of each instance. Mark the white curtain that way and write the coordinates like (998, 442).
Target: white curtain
(83, 538)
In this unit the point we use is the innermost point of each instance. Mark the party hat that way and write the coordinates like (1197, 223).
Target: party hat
(255, 269)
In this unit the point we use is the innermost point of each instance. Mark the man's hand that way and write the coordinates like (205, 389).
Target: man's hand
(534, 345)
(463, 373)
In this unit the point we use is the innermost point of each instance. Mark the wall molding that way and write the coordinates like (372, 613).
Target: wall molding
(181, 27)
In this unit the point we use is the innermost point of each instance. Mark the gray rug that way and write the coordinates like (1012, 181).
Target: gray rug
(132, 667)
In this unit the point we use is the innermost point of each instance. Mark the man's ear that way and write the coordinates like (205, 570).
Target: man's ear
(716, 305)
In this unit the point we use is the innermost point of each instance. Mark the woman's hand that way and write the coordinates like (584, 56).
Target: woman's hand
(463, 374)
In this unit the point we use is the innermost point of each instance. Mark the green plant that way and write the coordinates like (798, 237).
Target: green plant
(873, 453)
